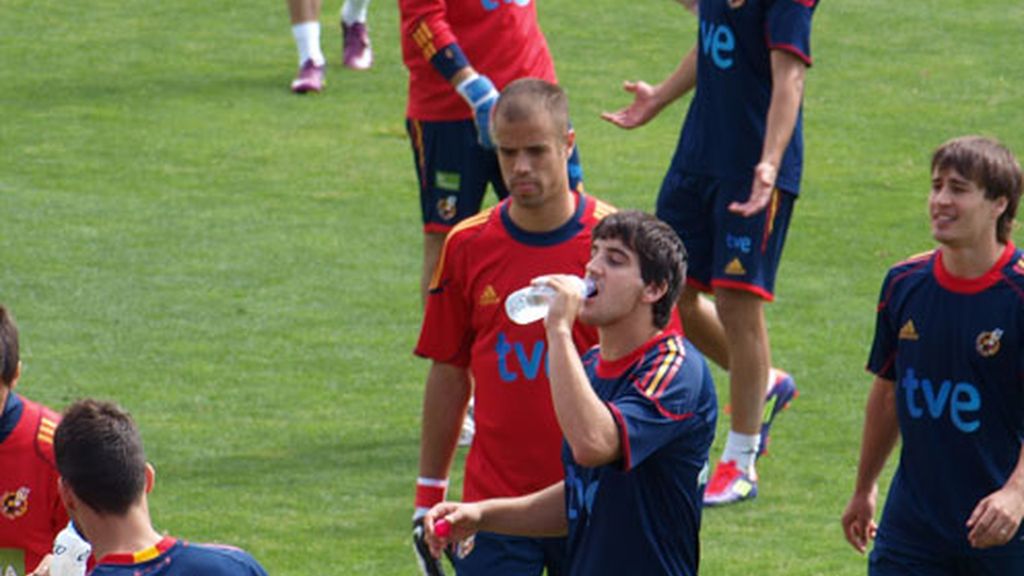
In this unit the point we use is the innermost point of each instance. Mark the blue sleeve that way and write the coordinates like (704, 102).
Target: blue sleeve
(789, 27)
(667, 398)
(882, 359)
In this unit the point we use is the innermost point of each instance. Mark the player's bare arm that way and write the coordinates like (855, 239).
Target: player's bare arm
(649, 101)
(881, 431)
(587, 424)
(540, 514)
(788, 72)
(997, 517)
(444, 406)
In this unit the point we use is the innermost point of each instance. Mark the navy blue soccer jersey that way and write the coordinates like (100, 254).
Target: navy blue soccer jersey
(172, 557)
(725, 126)
(953, 348)
(641, 515)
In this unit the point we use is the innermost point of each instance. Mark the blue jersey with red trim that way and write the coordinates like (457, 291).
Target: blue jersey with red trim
(953, 348)
(641, 515)
(725, 126)
(516, 448)
(172, 557)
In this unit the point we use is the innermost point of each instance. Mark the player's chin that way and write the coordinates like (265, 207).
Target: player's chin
(589, 315)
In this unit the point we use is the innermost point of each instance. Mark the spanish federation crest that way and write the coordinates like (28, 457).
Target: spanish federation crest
(988, 343)
(15, 504)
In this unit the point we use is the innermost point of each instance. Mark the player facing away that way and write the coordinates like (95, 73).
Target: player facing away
(638, 413)
(104, 482)
(357, 53)
(459, 54)
(31, 513)
(948, 364)
(729, 193)
(542, 228)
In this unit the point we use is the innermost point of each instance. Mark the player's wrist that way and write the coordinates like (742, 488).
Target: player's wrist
(476, 90)
(429, 491)
(450, 62)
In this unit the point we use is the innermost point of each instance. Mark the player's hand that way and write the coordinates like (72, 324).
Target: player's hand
(996, 519)
(430, 565)
(566, 303)
(690, 5)
(463, 520)
(478, 91)
(760, 191)
(859, 519)
(644, 107)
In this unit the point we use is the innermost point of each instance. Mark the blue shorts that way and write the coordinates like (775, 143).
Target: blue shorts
(499, 555)
(725, 250)
(887, 561)
(453, 171)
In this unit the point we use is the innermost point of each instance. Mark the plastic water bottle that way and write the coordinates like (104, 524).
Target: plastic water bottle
(530, 303)
(70, 553)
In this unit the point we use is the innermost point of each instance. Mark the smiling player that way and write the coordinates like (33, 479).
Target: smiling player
(948, 359)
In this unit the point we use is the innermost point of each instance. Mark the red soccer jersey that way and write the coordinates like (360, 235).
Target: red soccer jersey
(517, 446)
(501, 39)
(31, 512)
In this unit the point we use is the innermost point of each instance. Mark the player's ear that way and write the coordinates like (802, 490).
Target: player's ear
(654, 291)
(570, 141)
(17, 372)
(67, 495)
(150, 477)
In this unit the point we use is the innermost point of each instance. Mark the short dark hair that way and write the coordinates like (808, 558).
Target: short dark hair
(99, 455)
(661, 253)
(990, 165)
(8, 348)
(522, 98)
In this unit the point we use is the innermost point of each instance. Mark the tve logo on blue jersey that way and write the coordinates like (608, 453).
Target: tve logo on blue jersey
(495, 4)
(717, 41)
(961, 401)
(530, 358)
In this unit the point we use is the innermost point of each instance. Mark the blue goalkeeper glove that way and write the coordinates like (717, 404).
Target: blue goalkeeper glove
(479, 92)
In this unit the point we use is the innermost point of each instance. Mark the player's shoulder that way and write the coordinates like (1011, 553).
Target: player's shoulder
(42, 424)
(470, 229)
(1013, 271)
(600, 208)
(221, 559)
(918, 263)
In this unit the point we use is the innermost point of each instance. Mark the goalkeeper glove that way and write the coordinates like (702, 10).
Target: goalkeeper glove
(479, 92)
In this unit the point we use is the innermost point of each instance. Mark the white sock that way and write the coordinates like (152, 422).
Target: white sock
(353, 11)
(307, 40)
(741, 449)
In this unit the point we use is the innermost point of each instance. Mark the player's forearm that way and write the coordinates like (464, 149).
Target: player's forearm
(586, 423)
(788, 73)
(540, 514)
(881, 431)
(445, 399)
(681, 81)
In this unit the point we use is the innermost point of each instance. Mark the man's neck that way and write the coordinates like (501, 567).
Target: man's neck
(127, 534)
(547, 218)
(971, 261)
(620, 339)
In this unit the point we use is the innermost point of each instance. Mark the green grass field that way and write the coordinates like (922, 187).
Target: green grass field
(239, 266)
